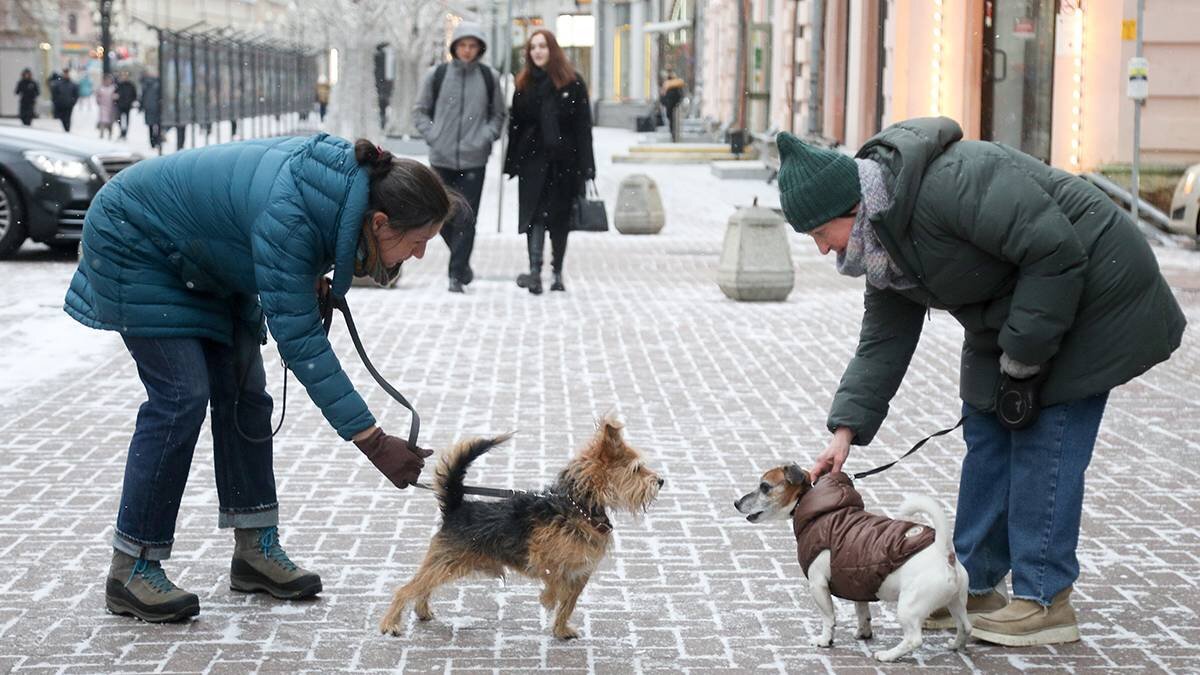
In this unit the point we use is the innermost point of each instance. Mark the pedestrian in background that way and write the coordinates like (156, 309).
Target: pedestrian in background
(1061, 299)
(460, 113)
(63, 95)
(322, 96)
(671, 95)
(27, 92)
(191, 258)
(152, 108)
(549, 151)
(127, 94)
(106, 106)
(85, 90)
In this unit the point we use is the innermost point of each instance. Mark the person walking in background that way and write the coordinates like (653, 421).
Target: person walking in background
(85, 90)
(550, 152)
(126, 95)
(152, 107)
(27, 92)
(671, 95)
(322, 97)
(106, 106)
(63, 95)
(460, 114)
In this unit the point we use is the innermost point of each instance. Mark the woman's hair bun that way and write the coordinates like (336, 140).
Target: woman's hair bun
(376, 160)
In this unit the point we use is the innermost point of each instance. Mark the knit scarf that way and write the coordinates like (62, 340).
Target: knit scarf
(864, 252)
(368, 262)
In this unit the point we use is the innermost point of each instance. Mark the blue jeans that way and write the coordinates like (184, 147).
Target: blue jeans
(459, 232)
(182, 376)
(1020, 498)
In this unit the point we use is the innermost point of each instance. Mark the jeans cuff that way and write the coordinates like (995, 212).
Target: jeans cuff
(141, 549)
(1034, 598)
(256, 517)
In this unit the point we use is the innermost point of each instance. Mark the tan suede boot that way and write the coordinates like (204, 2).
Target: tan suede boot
(976, 605)
(1025, 622)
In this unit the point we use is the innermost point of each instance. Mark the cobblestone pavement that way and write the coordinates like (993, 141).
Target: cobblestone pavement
(714, 391)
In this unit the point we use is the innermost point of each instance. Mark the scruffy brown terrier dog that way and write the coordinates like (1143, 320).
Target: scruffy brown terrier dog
(557, 536)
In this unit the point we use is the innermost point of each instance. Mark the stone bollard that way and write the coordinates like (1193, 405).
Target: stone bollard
(756, 260)
(639, 206)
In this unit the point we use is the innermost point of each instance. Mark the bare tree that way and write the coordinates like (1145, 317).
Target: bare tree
(417, 32)
(354, 28)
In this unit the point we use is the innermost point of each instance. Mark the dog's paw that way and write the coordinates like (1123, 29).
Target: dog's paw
(958, 643)
(822, 641)
(864, 633)
(391, 627)
(566, 633)
(887, 656)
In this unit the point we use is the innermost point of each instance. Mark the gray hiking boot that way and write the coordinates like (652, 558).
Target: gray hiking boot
(138, 587)
(260, 565)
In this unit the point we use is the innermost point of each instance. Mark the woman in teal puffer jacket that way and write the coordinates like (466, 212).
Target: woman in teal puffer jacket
(1056, 291)
(191, 257)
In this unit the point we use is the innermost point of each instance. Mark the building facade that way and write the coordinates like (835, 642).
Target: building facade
(1045, 76)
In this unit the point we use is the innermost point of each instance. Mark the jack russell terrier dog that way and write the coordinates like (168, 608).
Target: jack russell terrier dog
(849, 553)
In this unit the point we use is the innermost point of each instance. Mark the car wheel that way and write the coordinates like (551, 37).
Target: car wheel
(12, 219)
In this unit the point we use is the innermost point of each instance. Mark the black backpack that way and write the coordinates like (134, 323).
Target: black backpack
(440, 74)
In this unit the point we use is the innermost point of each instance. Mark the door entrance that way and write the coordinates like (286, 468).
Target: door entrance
(1018, 74)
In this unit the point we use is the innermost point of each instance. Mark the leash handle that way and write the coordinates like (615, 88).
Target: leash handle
(920, 443)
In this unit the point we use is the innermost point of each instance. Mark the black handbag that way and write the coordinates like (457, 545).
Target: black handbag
(588, 213)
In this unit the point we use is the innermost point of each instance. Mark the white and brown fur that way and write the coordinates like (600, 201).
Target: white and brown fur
(557, 536)
(931, 579)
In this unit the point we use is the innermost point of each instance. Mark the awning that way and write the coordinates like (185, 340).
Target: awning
(665, 26)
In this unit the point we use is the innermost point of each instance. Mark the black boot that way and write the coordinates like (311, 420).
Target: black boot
(536, 240)
(558, 284)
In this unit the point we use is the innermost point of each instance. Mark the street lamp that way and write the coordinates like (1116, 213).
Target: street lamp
(106, 34)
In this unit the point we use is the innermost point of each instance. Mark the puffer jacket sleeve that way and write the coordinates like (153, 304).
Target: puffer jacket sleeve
(891, 327)
(1014, 219)
(286, 269)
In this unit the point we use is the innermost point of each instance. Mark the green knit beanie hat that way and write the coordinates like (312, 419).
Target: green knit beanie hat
(815, 185)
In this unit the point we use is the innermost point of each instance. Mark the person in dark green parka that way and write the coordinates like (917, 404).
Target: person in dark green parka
(191, 257)
(1057, 293)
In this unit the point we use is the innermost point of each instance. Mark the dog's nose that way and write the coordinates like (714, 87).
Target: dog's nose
(660, 482)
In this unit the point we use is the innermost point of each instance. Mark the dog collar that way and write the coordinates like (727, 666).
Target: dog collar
(599, 520)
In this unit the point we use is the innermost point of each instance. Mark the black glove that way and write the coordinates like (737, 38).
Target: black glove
(1018, 401)
(394, 458)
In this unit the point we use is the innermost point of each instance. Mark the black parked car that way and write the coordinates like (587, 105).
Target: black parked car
(47, 181)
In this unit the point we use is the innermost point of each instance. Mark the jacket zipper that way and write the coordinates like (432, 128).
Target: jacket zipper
(462, 108)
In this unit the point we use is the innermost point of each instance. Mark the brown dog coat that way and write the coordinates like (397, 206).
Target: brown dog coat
(864, 548)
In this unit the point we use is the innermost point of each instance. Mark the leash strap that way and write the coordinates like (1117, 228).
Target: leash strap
(328, 303)
(920, 443)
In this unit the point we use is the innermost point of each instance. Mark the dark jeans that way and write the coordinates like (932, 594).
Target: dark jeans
(155, 135)
(182, 377)
(26, 115)
(1021, 496)
(64, 115)
(123, 122)
(459, 232)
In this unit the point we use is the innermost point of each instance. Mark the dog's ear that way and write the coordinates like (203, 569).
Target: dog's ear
(795, 475)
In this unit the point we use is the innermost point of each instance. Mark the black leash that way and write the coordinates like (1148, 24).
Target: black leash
(329, 303)
(920, 443)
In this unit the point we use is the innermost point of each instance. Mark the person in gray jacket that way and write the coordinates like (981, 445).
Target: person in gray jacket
(460, 112)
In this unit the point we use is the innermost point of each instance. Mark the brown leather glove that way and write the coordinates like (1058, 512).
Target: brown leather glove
(394, 458)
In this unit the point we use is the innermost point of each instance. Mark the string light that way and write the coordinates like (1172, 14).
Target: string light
(935, 64)
(1077, 28)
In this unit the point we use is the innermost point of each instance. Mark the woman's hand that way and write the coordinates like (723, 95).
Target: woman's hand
(393, 457)
(834, 455)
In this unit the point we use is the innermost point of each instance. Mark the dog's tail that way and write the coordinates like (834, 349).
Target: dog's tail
(914, 504)
(452, 469)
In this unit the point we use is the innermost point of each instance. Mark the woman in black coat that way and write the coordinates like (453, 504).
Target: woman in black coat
(550, 151)
(28, 91)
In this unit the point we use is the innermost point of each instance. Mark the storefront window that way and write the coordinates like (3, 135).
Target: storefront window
(1018, 74)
